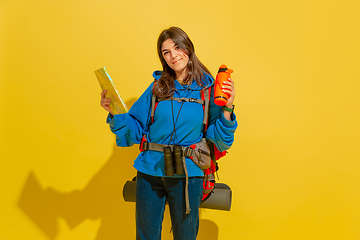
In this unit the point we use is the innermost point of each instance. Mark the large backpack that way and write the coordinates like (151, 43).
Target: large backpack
(215, 154)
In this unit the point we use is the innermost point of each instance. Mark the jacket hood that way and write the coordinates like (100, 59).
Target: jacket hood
(208, 80)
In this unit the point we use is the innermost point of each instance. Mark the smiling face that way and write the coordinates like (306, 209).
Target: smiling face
(175, 58)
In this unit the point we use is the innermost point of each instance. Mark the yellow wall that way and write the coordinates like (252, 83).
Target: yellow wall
(294, 168)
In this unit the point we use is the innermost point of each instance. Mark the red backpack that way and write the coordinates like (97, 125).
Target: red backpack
(215, 154)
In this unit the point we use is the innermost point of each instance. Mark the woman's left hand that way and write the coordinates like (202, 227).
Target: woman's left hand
(228, 88)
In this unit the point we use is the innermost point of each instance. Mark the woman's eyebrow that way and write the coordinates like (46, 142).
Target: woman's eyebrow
(175, 45)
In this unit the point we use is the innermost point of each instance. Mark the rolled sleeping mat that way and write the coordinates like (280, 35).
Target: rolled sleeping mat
(220, 198)
(129, 191)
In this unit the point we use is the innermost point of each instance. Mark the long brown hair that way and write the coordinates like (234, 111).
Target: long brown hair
(165, 86)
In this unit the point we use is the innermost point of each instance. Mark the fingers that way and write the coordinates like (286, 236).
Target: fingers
(103, 93)
(105, 102)
(229, 82)
(228, 88)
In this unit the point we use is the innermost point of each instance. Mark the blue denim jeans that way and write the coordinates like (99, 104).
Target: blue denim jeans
(151, 195)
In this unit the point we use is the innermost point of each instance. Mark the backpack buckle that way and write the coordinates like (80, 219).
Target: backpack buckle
(189, 152)
(192, 100)
(144, 146)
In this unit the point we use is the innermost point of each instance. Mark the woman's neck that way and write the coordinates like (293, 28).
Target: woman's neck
(181, 76)
(182, 82)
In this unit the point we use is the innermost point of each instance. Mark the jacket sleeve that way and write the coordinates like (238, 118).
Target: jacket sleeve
(220, 130)
(131, 126)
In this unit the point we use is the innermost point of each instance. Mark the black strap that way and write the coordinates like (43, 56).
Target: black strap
(188, 151)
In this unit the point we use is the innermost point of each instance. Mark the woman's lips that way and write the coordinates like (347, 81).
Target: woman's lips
(175, 62)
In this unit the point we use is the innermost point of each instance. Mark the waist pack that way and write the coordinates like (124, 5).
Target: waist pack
(201, 155)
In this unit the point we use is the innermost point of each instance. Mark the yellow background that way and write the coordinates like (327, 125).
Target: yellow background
(294, 167)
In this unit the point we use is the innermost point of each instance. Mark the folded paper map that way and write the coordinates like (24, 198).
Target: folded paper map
(117, 105)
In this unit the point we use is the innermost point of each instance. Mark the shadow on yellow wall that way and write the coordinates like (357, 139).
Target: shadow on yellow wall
(100, 199)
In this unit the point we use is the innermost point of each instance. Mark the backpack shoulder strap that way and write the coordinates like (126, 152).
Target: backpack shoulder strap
(205, 96)
(153, 104)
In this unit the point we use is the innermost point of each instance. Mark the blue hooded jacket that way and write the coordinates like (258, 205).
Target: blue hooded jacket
(186, 117)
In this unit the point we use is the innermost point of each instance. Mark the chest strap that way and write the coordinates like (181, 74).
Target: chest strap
(182, 100)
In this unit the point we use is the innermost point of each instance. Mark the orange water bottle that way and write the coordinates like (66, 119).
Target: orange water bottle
(223, 74)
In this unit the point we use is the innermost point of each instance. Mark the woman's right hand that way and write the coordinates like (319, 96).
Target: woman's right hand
(105, 102)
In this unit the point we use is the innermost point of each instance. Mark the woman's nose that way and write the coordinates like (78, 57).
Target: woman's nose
(173, 54)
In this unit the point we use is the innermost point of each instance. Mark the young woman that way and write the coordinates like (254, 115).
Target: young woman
(174, 123)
